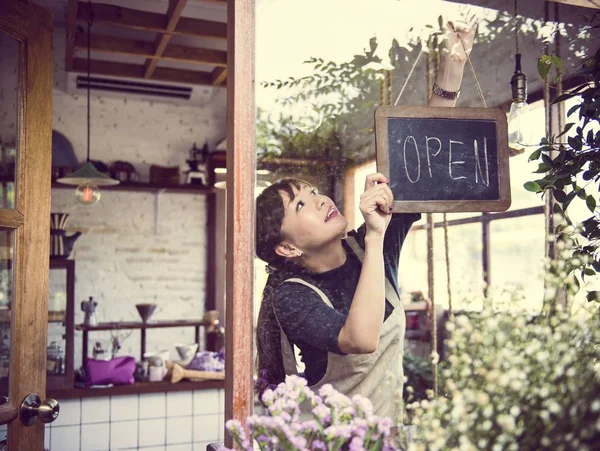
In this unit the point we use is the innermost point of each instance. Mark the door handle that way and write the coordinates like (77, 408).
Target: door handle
(32, 407)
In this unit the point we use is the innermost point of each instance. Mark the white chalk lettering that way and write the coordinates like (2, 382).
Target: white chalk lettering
(486, 180)
(418, 160)
(427, 138)
(450, 162)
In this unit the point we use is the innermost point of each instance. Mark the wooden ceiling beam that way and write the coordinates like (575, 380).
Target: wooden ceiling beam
(583, 3)
(71, 25)
(127, 70)
(147, 21)
(219, 75)
(173, 15)
(132, 47)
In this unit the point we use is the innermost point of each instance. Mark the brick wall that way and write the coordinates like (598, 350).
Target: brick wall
(137, 247)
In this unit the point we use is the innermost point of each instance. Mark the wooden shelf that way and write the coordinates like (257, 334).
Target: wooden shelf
(148, 325)
(149, 187)
(138, 387)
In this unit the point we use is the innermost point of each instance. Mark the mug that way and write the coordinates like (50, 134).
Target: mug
(156, 373)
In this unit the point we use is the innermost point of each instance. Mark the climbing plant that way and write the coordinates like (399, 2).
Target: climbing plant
(570, 166)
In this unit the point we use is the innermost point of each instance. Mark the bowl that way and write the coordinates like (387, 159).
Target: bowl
(186, 351)
(145, 311)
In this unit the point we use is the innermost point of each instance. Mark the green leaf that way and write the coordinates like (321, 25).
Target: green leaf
(590, 201)
(589, 272)
(567, 128)
(542, 167)
(573, 109)
(533, 187)
(580, 193)
(543, 66)
(547, 160)
(557, 62)
(557, 209)
(535, 155)
(592, 296)
(568, 200)
(559, 195)
(563, 97)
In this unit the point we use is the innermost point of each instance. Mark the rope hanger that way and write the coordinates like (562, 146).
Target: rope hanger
(385, 99)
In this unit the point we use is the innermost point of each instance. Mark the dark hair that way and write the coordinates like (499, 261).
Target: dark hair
(270, 212)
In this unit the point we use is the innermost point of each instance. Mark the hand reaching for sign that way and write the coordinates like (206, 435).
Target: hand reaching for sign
(458, 40)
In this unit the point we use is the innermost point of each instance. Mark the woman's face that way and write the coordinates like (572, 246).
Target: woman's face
(311, 220)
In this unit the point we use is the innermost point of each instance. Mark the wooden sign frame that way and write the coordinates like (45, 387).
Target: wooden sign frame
(383, 113)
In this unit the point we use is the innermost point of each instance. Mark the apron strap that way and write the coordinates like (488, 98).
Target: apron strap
(390, 293)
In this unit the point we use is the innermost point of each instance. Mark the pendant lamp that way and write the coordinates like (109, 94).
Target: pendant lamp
(519, 133)
(87, 178)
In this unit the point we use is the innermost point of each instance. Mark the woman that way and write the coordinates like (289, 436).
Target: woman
(333, 294)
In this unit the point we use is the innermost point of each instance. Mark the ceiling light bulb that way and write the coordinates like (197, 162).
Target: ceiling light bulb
(87, 194)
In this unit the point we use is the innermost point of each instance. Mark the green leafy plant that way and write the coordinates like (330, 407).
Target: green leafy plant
(570, 165)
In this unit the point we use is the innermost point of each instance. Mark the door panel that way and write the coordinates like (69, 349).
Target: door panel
(26, 133)
(9, 118)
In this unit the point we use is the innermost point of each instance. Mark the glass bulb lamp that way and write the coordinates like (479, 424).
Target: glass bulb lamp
(87, 194)
(518, 132)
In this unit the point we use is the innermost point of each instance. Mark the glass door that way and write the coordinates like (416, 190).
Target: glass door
(25, 159)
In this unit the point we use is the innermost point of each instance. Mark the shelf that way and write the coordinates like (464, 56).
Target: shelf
(148, 325)
(137, 388)
(149, 187)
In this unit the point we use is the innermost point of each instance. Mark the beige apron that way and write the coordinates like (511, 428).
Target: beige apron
(377, 376)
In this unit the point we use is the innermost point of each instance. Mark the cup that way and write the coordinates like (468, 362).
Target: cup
(158, 358)
(156, 373)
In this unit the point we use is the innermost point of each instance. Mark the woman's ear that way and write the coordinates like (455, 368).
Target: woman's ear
(287, 250)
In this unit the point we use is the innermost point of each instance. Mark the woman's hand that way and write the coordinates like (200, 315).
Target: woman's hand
(376, 204)
(458, 41)
(457, 45)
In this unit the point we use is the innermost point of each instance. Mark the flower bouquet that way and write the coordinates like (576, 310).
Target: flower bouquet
(299, 419)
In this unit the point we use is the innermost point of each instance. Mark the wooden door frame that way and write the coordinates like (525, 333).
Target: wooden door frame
(241, 158)
(32, 26)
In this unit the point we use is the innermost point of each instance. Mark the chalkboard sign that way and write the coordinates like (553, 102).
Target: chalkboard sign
(444, 159)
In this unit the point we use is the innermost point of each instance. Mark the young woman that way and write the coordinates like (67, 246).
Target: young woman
(332, 293)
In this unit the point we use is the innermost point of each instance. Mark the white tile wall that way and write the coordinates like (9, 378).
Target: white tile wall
(123, 434)
(153, 405)
(70, 413)
(65, 438)
(173, 421)
(152, 432)
(124, 408)
(179, 430)
(95, 410)
(179, 404)
(95, 437)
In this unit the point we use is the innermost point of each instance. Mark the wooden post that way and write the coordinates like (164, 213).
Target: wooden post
(240, 211)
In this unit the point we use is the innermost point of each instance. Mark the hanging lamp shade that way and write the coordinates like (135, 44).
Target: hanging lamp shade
(87, 173)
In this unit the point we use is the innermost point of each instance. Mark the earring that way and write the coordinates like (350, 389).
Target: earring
(299, 254)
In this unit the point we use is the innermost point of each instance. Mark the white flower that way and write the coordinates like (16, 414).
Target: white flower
(488, 411)
(596, 405)
(482, 398)
(515, 411)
